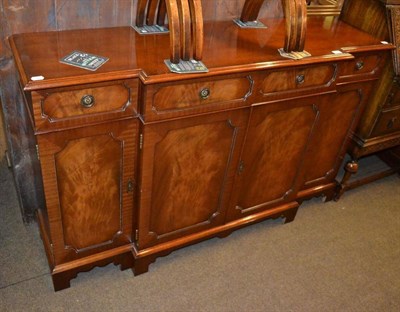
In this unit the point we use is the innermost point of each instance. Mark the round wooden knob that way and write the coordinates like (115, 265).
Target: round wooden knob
(391, 123)
(351, 167)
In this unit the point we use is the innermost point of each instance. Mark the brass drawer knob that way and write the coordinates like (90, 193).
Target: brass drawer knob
(87, 101)
(390, 99)
(359, 65)
(391, 123)
(300, 79)
(205, 93)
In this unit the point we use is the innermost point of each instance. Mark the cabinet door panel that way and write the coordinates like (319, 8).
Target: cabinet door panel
(187, 171)
(273, 153)
(85, 173)
(88, 175)
(337, 117)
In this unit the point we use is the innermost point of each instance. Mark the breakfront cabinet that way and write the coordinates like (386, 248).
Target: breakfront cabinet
(137, 161)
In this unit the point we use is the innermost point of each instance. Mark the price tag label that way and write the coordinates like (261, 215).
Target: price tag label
(249, 24)
(151, 30)
(84, 60)
(187, 67)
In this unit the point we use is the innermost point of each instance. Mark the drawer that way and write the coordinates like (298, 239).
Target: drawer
(393, 98)
(299, 79)
(361, 67)
(387, 122)
(165, 101)
(80, 105)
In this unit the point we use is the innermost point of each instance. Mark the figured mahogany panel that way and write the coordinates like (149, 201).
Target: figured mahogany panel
(298, 79)
(65, 107)
(328, 143)
(173, 100)
(364, 65)
(86, 174)
(273, 153)
(88, 179)
(187, 174)
(66, 104)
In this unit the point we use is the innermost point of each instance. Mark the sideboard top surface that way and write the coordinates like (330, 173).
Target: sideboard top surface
(227, 49)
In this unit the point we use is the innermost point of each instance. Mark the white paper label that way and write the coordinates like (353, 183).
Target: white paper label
(37, 78)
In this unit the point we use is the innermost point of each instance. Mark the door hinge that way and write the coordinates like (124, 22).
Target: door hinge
(241, 167)
(137, 235)
(130, 186)
(141, 141)
(8, 159)
(37, 152)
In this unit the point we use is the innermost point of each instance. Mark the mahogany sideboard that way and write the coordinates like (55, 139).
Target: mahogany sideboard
(137, 162)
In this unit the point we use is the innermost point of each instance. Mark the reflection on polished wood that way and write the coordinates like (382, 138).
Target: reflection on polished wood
(324, 7)
(295, 12)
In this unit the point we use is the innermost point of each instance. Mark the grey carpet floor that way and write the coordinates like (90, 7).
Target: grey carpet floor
(342, 256)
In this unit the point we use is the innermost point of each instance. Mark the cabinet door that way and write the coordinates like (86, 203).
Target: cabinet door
(338, 117)
(273, 153)
(88, 176)
(186, 175)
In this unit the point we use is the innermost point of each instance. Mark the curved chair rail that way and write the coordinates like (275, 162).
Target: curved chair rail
(296, 21)
(185, 18)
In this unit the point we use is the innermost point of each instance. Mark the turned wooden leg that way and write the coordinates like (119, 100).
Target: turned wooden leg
(350, 169)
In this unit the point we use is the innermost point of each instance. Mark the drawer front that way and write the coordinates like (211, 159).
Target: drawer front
(361, 67)
(393, 98)
(387, 122)
(299, 79)
(175, 100)
(81, 105)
